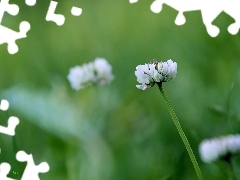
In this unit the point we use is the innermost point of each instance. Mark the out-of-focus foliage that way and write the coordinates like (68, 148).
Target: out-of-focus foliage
(117, 131)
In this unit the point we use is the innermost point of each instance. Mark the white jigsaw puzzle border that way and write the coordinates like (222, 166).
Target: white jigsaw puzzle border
(11, 36)
(31, 171)
(59, 19)
(209, 10)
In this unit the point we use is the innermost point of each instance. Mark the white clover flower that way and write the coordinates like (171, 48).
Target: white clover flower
(97, 72)
(219, 148)
(103, 71)
(155, 72)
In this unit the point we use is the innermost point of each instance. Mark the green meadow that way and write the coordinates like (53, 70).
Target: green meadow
(116, 131)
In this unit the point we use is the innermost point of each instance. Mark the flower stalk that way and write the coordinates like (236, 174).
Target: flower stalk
(232, 166)
(157, 72)
(181, 133)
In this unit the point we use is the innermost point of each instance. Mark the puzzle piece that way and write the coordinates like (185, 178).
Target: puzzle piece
(51, 16)
(76, 11)
(4, 170)
(12, 9)
(232, 9)
(10, 130)
(59, 19)
(31, 171)
(4, 105)
(209, 10)
(7, 35)
(12, 121)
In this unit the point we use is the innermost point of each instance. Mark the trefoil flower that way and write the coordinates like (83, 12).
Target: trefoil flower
(155, 72)
(97, 72)
(219, 148)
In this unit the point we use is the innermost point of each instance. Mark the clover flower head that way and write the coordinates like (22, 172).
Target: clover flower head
(155, 72)
(97, 72)
(219, 148)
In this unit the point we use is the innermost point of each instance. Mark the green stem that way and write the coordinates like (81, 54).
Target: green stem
(228, 108)
(181, 133)
(14, 144)
(232, 173)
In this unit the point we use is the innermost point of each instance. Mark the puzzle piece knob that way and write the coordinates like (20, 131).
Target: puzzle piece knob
(156, 6)
(12, 48)
(180, 19)
(44, 167)
(4, 169)
(30, 2)
(233, 28)
(24, 27)
(4, 105)
(13, 9)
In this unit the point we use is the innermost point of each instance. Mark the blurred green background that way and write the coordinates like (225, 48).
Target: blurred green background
(117, 131)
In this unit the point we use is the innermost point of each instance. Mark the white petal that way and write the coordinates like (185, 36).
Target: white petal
(143, 80)
(143, 86)
(157, 76)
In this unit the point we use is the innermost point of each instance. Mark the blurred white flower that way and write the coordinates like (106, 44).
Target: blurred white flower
(97, 72)
(219, 148)
(155, 72)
